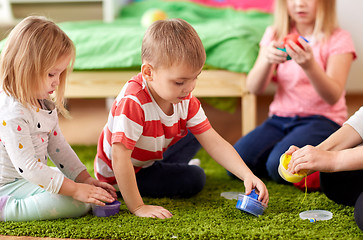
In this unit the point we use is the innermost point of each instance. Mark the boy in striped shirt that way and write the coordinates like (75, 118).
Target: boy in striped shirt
(155, 117)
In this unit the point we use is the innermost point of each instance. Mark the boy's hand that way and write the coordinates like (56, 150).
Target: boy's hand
(152, 211)
(253, 182)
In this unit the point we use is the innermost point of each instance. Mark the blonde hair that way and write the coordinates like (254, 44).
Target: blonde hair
(325, 22)
(172, 41)
(31, 50)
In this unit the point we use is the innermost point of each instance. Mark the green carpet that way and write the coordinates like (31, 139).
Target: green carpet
(205, 216)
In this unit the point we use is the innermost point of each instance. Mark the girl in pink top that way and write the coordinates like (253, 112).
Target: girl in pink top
(309, 104)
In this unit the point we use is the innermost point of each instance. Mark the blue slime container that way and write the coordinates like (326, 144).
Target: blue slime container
(250, 204)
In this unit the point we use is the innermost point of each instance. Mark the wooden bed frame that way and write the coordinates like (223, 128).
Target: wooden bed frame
(210, 83)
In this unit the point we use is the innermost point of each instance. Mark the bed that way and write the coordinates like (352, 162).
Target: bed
(108, 53)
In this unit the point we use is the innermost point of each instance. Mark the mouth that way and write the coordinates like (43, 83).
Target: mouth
(51, 92)
(301, 14)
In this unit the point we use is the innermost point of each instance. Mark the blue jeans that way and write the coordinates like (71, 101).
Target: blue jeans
(173, 177)
(261, 149)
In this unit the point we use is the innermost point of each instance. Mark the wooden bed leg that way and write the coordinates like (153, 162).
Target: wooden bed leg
(249, 112)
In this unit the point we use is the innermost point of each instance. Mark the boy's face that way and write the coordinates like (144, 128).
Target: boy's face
(172, 84)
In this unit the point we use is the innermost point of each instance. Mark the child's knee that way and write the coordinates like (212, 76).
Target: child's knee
(196, 180)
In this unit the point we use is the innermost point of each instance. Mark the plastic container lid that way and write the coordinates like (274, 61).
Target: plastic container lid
(230, 195)
(109, 209)
(287, 176)
(250, 204)
(316, 214)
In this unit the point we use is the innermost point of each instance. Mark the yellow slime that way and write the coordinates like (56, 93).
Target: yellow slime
(284, 163)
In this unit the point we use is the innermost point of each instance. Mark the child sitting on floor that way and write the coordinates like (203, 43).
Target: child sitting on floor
(35, 61)
(145, 147)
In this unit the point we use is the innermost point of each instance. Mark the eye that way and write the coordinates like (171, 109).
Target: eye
(179, 83)
(50, 75)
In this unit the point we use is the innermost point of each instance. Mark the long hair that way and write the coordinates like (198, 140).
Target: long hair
(172, 41)
(325, 22)
(31, 50)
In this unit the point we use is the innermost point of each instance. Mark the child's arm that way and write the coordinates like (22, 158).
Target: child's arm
(68, 162)
(333, 155)
(330, 83)
(85, 192)
(224, 153)
(126, 180)
(262, 71)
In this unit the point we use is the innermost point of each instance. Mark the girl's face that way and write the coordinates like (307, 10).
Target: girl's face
(53, 77)
(172, 84)
(302, 12)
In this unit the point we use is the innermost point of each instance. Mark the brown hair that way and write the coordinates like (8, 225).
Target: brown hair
(325, 23)
(31, 50)
(172, 41)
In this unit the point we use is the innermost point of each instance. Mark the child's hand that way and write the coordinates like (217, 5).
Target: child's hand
(108, 187)
(91, 194)
(274, 55)
(253, 182)
(312, 159)
(291, 150)
(302, 56)
(152, 211)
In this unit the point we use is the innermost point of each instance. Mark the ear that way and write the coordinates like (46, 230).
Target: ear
(147, 71)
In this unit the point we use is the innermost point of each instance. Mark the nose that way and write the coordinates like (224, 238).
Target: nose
(299, 2)
(56, 81)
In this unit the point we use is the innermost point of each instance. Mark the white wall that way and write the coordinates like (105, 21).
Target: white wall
(351, 19)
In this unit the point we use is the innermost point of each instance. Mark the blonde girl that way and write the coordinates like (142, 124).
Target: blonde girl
(34, 64)
(309, 103)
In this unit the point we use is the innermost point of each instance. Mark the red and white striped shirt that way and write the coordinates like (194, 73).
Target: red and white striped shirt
(137, 121)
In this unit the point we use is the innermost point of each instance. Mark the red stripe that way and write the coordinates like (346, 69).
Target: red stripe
(157, 129)
(200, 128)
(131, 110)
(145, 155)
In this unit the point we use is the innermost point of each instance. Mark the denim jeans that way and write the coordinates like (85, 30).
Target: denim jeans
(261, 149)
(173, 177)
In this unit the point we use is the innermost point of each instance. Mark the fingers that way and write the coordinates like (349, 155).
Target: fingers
(108, 187)
(275, 54)
(260, 187)
(263, 193)
(291, 150)
(99, 196)
(162, 214)
(153, 212)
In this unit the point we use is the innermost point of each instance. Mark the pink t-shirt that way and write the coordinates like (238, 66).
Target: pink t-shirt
(295, 94)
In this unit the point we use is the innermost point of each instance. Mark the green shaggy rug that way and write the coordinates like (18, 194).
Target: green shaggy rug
(205, 216)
